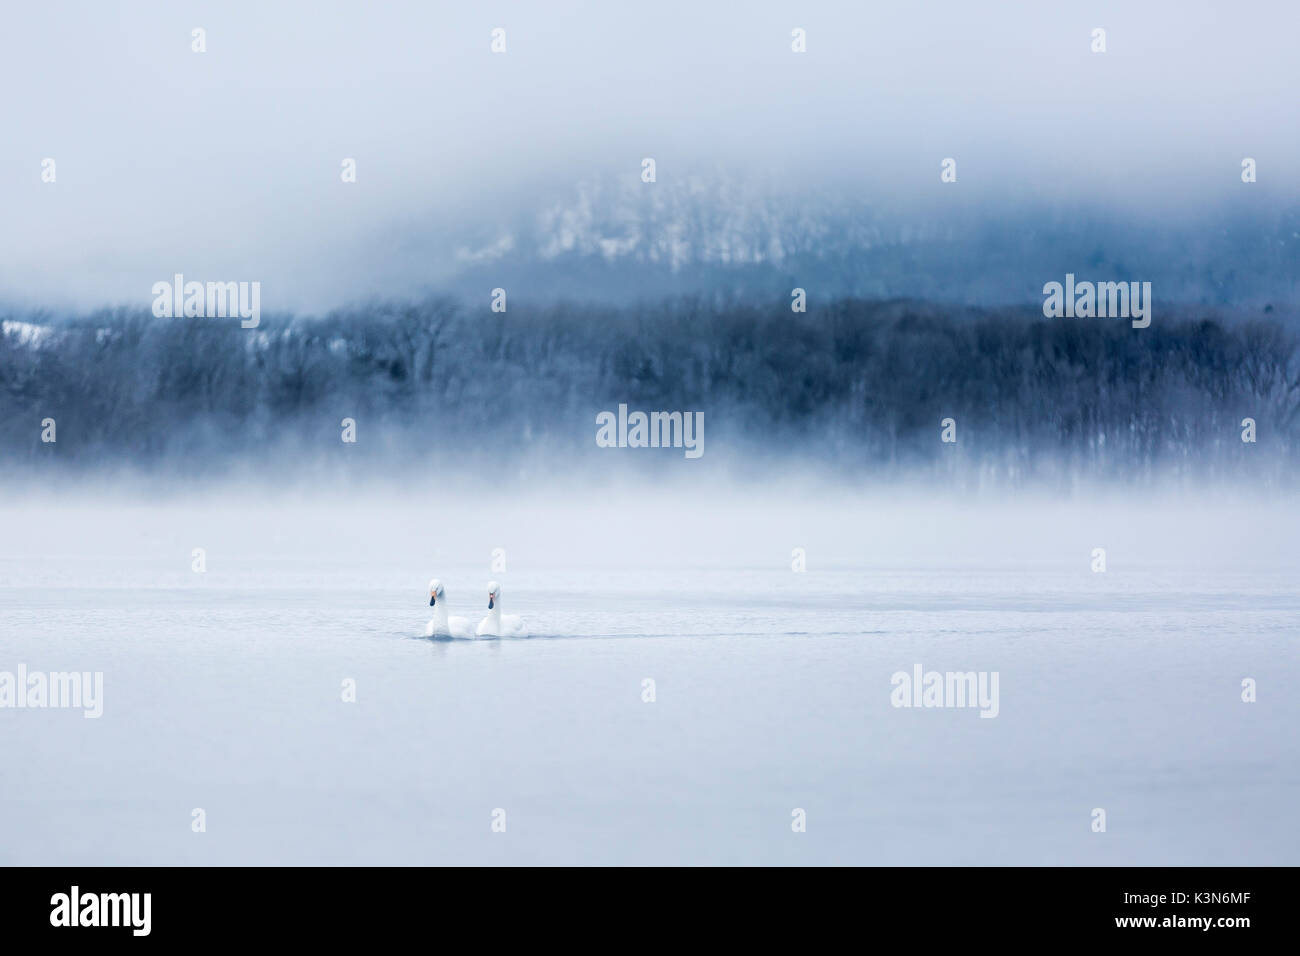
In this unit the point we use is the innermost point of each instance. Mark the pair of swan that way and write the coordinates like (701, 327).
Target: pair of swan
(495, 624)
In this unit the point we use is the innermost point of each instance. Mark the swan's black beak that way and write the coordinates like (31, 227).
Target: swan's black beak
(433, 599)
(489, 602)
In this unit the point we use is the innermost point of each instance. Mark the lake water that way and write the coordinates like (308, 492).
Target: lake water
(223, 690)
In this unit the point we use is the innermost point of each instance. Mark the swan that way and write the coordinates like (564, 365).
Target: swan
(440, 625)
(497, 624)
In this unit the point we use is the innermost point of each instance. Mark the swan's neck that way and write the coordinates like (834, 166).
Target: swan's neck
(440, 612)
(495, 613)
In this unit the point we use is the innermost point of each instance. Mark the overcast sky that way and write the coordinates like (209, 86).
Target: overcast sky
(225, 165)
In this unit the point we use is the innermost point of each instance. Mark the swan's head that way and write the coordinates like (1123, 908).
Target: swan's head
(494, 594)
(435, 591)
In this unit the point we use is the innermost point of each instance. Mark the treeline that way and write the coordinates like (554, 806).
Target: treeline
(860, 387)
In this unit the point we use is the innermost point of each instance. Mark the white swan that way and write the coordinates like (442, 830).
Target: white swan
(440, 625)
(497, 624)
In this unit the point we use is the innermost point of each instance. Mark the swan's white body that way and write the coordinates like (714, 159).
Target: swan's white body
(497, 624)
(441, 624)
(444, 625)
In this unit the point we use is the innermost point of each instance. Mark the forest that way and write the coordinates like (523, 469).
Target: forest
(854, 387)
